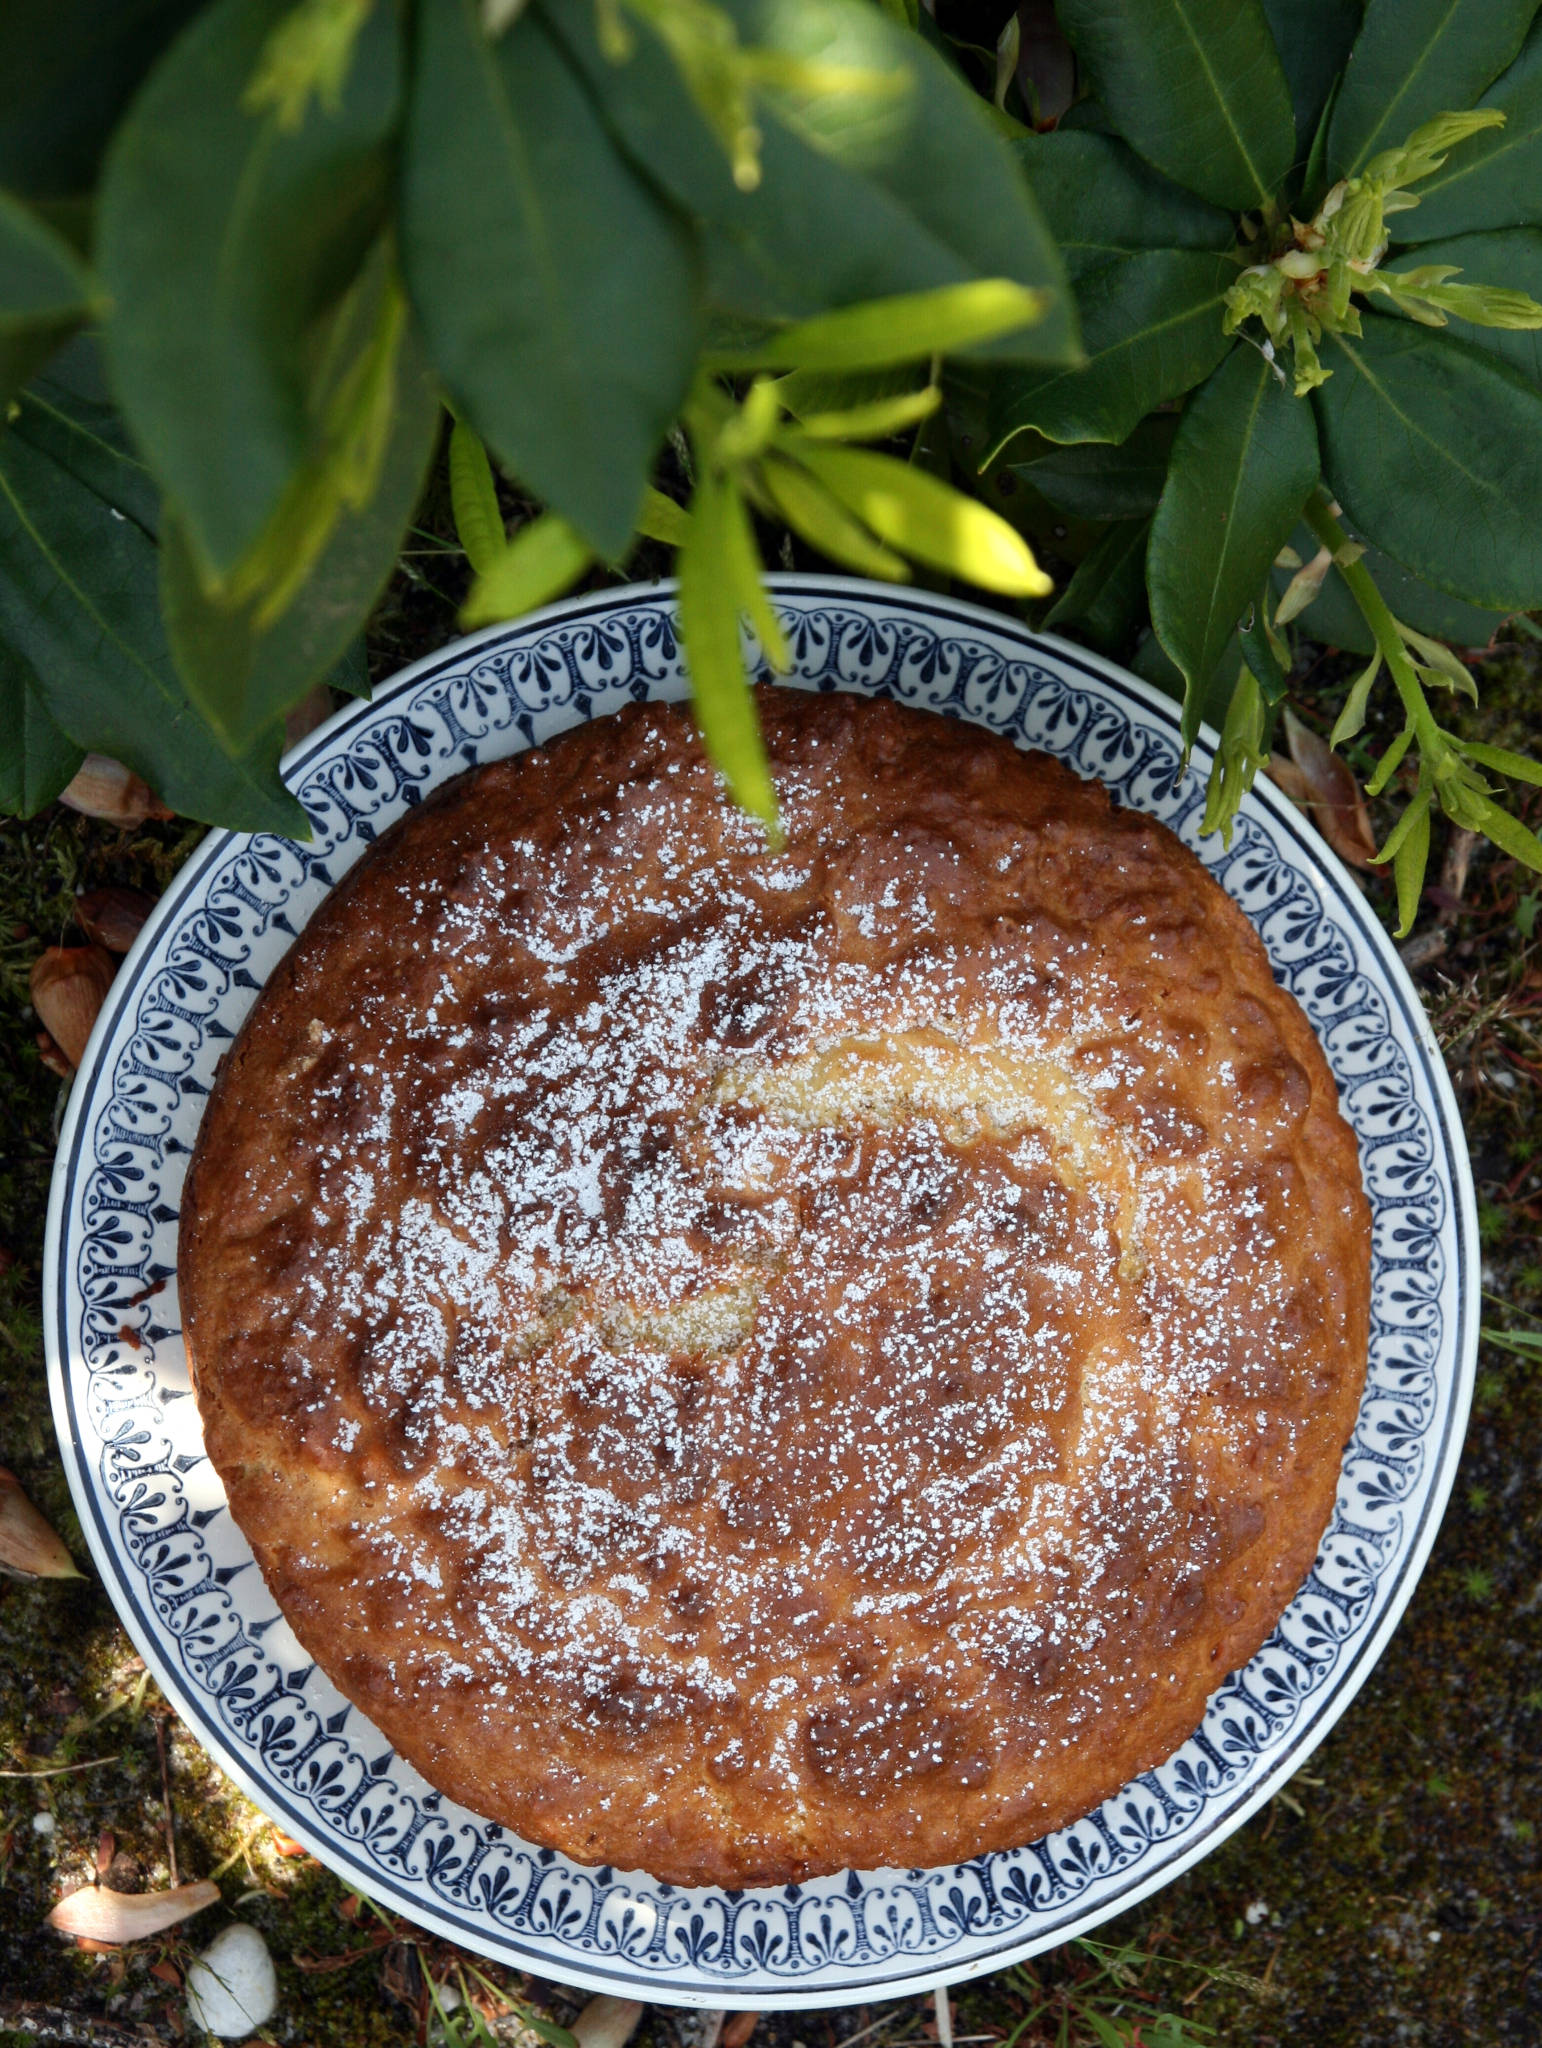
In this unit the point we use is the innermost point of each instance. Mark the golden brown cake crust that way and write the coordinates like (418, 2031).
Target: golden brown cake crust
(748, 1364)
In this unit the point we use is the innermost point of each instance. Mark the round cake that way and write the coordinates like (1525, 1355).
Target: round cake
(744, 1363)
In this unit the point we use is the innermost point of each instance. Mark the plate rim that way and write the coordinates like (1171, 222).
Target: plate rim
(1308, 850)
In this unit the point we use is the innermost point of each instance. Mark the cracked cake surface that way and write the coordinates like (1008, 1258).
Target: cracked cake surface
(745, 1363)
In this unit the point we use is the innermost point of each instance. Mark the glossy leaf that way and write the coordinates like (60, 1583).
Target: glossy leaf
(68, 68)
(36, 758)
(78, 606)
(1313, 38)
(1104, 601)
(1096, 480)
(709, 626)
(223, 237)
(1493, 180)
(1198, 89)
(474, 499)
(1334, 618)
(1103, 202)
(1152, 661)
(1434, 449)
(928, 520)
(906, 329)
(45, 292)
(1151, 328)
(71, 418)
(542, 560)
(243, 672)
(1242, 465)
(860, 198)
(556, 291)
(1414, 59)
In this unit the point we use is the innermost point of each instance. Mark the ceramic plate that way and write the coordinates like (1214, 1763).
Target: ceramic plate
(183, 1577)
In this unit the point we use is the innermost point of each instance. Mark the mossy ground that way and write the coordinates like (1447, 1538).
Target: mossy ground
(1390, 1893)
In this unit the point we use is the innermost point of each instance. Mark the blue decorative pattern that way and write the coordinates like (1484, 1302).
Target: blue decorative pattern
(182, 1574)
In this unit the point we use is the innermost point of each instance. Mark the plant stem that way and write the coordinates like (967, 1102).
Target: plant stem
(1378, 616)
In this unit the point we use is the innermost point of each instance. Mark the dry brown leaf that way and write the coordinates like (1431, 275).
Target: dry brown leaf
(28, 1547)
(739, 2029)
(52, 1058)
(97, 1914)
(68, 986)
(1324, 785)
(113, 917)
(104, 788)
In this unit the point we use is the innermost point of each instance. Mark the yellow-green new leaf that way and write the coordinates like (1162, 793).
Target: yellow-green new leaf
(905, 329)
(539, 563)
(876, 421)
(661, 519)
(742, 558)
(927, 519)
(1352, 718)
(474, 500)
(709, 629)
(825, 523)
(1519, 766)
(1409, 862)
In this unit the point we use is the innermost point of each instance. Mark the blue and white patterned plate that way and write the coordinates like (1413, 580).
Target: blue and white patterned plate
(182, 1575)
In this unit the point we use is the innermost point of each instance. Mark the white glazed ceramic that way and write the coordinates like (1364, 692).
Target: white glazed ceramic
(182, 1575)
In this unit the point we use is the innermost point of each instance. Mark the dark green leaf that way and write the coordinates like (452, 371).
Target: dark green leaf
(223, 236)
(1102, 202)
(1511, 257)
(242, 676)
(1242, 466)
(1103, 602)
(1152, 661)
(68, 68)
(1434, 449)
(36, 759)
(1258, 651)
(1093, 480)
(45, 293)
(1414, 59)
(71, 419)
(1334, 618)
(1313, 38)
(557, 292)
(1197, 88)
(890, 195)
(1151, 328)
(78, 608)
(1492, 180)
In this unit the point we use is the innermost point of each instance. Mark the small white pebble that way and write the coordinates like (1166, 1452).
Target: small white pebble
(43, 1823)
(232, 1988)
(1258, 1911)
(1433, 1935)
